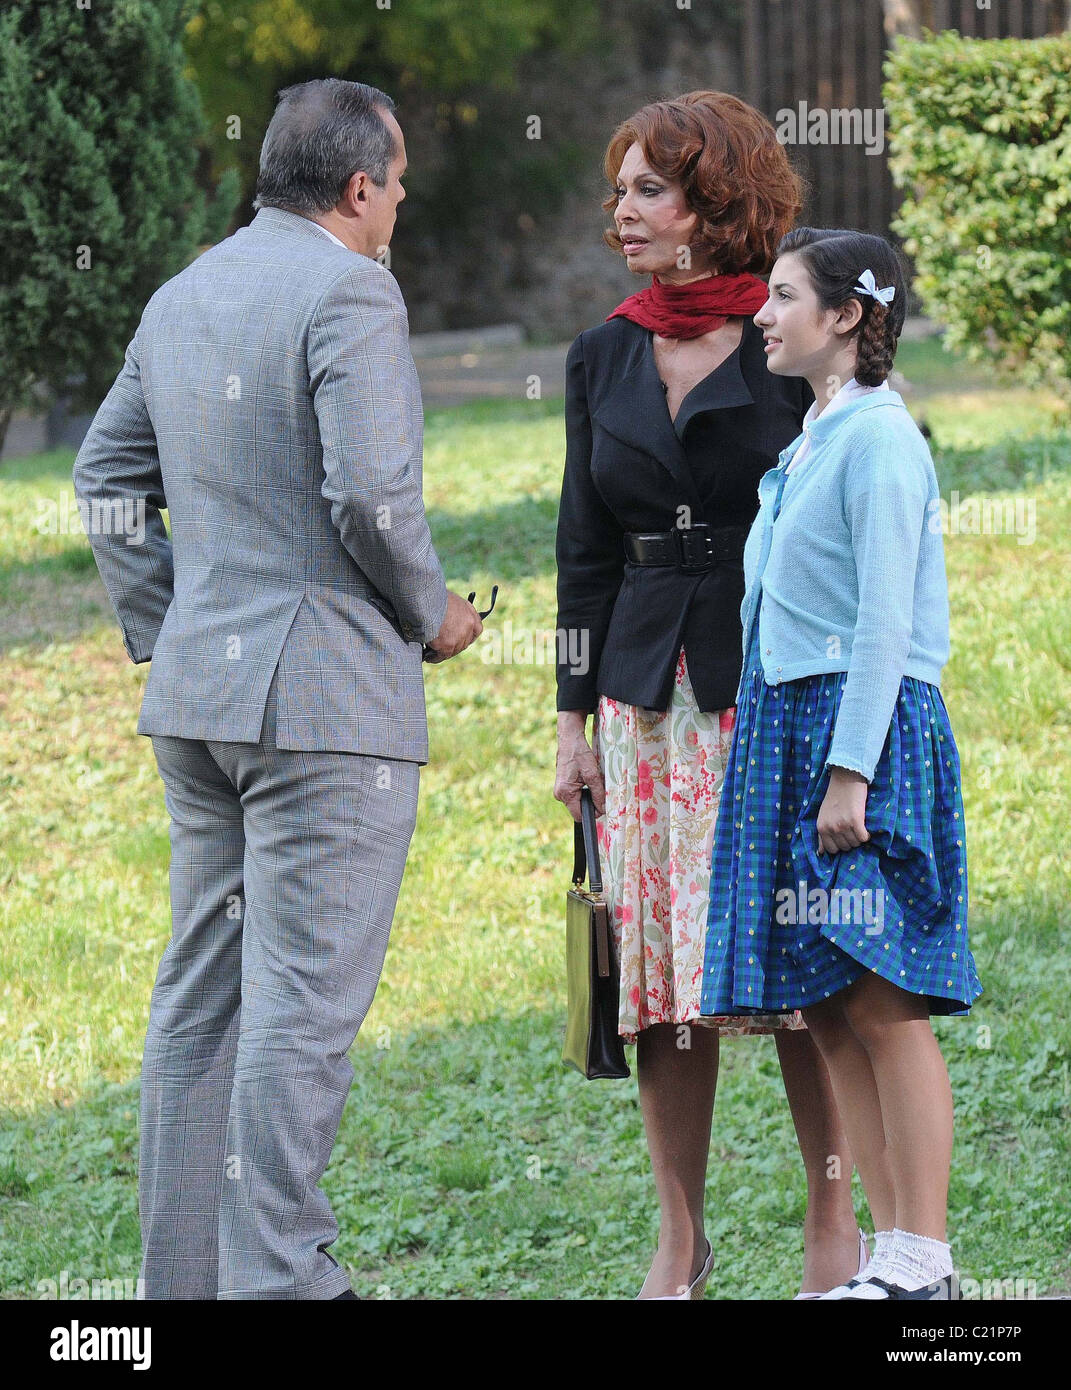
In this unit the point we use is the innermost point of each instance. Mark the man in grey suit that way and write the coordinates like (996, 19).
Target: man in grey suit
(270, 403)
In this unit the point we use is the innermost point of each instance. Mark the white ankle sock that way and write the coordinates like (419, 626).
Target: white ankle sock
(914, 1261)
(879, 1257)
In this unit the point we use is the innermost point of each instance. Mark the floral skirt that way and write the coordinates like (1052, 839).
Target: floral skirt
(663, 772)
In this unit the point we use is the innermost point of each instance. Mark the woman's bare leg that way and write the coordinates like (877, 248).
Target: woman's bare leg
(830, 1230)
(916, 1098)
(677, 1074)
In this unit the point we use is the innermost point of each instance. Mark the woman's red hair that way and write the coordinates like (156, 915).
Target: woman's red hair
(733, 170)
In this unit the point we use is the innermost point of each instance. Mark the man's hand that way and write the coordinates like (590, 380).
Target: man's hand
(841, 815)
(461, 626)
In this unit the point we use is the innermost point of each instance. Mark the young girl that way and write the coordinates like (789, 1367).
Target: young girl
(839, 870)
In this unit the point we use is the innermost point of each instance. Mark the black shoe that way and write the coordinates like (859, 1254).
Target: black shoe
(347, 1294)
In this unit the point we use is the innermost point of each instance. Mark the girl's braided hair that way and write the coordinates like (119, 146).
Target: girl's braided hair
(835, 259)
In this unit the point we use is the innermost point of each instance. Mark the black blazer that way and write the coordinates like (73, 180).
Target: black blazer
(629, 467)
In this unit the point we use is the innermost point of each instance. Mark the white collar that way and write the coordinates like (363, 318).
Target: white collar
(329, 234)
(848, 392)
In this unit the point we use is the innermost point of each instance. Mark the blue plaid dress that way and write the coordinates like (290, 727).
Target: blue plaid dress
(779, 933)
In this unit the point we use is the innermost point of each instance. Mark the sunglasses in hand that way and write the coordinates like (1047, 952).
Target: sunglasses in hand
(494, 595)
(433, 656)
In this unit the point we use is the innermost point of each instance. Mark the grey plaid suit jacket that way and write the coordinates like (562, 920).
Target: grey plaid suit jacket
(270, 402)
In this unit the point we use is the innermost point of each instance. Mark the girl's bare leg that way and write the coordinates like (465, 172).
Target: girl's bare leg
(852, 1079)
(916, 1098)
(830, 1230)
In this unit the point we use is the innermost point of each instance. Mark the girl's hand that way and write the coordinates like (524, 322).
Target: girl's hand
(841, 815)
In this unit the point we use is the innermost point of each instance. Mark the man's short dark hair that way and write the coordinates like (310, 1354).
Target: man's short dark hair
(321, 134)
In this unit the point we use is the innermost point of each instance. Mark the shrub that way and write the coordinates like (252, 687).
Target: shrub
(981, 142)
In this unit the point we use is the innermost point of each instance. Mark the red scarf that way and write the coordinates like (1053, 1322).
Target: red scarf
(700, 306)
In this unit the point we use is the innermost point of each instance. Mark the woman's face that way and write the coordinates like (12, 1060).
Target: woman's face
(654, 221)
(801, 338)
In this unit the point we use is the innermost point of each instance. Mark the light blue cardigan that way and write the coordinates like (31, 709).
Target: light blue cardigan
(852, 571)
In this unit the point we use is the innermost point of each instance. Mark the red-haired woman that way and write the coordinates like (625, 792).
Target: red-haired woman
(672, 418)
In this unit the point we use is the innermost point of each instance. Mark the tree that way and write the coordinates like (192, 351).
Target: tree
(97, 181)
(908, 17)
(244, 51)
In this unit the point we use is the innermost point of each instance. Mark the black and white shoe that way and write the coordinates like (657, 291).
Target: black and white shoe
(874, 1290)
(844, 1290)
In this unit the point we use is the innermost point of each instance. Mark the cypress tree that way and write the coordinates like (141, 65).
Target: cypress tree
(98, 189)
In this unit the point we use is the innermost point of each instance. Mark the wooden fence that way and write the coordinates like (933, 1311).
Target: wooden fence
(828, 55)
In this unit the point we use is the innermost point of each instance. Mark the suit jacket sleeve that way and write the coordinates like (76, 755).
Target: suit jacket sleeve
(117, 481)
(589, 551)
(366, 395)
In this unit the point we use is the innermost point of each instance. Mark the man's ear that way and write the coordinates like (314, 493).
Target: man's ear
(356, 194)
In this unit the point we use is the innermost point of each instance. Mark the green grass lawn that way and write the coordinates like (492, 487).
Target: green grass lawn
(470, 1163)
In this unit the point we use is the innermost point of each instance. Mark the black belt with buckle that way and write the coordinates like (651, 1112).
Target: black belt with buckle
(689, 548)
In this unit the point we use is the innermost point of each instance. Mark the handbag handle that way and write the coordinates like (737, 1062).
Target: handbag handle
(586, 844)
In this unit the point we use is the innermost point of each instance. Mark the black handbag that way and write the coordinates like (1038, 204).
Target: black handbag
(592, 1042)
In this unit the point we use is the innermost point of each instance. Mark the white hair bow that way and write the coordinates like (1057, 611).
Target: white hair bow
(869, 285)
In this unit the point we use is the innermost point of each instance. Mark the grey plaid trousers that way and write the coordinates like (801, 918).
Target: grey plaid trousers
(285, 873)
